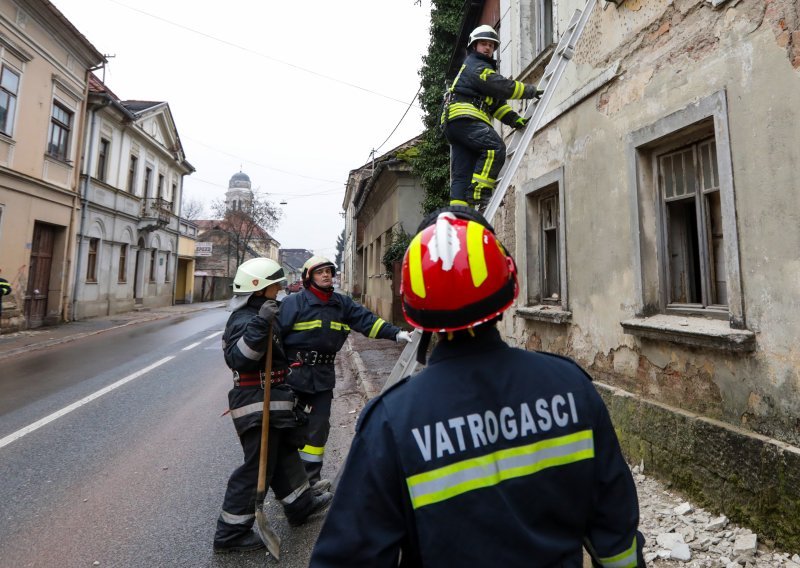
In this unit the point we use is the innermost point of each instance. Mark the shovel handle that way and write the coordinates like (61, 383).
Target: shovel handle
(261, 489)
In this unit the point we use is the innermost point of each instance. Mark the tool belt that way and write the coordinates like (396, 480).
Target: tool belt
(256, 378)
(311, 358)
(478, 102)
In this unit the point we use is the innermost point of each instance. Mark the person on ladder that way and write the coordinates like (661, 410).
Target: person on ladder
(315, 323)
(254, 310)
(478, 94)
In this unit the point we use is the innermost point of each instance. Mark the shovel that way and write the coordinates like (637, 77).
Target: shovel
(268, 536)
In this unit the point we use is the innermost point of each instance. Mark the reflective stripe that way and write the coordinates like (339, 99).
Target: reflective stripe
(259, 407)
(625, 559)
(491, 469)
(415, 266)
(487, 164)
(306, 325)
(232, 519)
(340, 326)
(485, 73)
(502, 111)
(458, 202)
(292, 497)
(457, 110)
(518, 89)
(245, 350)
(312, 454)
(475, 254)
(376, 327)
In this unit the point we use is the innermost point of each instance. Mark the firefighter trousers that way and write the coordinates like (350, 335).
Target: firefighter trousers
(477, 153)
(317, 431)
(285, 475)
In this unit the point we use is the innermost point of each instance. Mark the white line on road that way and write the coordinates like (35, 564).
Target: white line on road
(75, 405)
(196, 343)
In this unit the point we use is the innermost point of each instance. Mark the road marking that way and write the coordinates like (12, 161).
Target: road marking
(75, 405)
(196, 343)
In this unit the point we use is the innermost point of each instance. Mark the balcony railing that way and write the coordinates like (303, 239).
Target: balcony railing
(156, 211)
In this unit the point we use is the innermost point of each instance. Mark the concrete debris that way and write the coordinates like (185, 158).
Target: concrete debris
(679, 534)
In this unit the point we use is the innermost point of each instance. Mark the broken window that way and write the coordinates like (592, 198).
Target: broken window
(689, 181)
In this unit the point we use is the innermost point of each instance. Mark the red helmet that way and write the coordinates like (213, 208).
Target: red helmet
(456, 275)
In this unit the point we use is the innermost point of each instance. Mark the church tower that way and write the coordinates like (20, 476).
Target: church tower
(240, 193)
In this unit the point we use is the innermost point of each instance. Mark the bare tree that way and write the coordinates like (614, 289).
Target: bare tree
(192, 209)
(247, 224)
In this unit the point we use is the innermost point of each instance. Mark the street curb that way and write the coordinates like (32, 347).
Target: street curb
(358, 368)
(66, 339)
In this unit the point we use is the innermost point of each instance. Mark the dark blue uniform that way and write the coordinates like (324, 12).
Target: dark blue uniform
(313, 332)
(245, 345)
(491, 456)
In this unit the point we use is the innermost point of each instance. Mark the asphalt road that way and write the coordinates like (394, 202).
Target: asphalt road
(113, 450)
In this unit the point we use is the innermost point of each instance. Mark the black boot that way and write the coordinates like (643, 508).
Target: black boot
(299, 512)
(242, 543)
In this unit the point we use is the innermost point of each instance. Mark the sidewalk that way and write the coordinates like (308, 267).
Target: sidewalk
(12, 344)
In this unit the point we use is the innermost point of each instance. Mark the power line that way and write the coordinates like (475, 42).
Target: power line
(254, 52)
(375, 150)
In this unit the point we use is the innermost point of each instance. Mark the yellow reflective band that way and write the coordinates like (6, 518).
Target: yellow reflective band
(340, 326)
(376, 327)
(313, 450)
(485, 73)
(625, 559)
(475, 253)
(458, 202)
(306, 325)
(502, 111)
(415, 266)
(518, 89)
(491, 469)
(457, 110)
(487, 165)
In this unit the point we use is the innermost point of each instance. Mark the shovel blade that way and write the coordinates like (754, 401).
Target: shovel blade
(271, 540)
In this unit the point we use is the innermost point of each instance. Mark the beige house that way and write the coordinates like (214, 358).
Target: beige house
(44, 69)
(383, 200)
(654, 221)
(131, 184)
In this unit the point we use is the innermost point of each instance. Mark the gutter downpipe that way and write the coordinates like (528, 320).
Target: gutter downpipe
(84, 202)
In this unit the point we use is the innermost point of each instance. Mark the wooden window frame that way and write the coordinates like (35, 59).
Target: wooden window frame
(7, 124)
(92, 253)
(59, 137)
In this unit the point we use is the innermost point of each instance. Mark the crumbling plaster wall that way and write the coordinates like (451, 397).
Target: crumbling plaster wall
(671, 54)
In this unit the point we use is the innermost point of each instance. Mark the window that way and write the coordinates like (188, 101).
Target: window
(160, 194)
(132, 174)
(685, 219)
(148, 174)
(9, 85)
(692, 218)
(91, 264)
(544, 24)
(545, 258)
(122, 275)
(60, 125)
(153, 255)
(535, 30)
(102, 159)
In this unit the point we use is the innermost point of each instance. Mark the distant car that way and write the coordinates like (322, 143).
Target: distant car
(294, 287)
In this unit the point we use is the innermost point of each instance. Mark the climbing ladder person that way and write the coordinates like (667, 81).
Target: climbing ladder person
(477, 95)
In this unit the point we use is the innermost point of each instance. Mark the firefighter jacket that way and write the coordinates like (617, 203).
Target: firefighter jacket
(315, 330)
(490, 456)
(244, 344)
(479, 92)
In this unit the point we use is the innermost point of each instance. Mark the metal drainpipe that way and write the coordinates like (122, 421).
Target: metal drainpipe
(177, 248)
(84, 201)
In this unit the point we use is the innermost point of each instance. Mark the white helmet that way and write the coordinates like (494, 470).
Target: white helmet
(483, 32)
(313, 264)
(256, 274)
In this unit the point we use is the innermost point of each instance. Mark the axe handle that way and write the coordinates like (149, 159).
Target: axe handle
(262, 456)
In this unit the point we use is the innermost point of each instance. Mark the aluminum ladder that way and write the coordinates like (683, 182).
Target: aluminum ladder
(520, 140)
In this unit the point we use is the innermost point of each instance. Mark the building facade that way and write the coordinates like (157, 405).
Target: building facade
(44, 71)
(131, 185)
(654, 221)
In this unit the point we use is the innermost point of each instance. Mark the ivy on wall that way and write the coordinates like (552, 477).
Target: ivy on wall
(432, 164)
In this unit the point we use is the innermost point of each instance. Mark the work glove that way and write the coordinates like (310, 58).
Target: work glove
(521, 122)
(531, 92)
(402, 336)
(269, 310)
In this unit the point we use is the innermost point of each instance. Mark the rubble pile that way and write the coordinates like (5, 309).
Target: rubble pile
(679, 534)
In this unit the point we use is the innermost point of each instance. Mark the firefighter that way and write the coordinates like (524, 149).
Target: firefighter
(478, 94)
(254, 309)
(315, 323)
(491, 455)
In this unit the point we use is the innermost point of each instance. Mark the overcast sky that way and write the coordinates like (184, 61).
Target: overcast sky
(295, 94)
